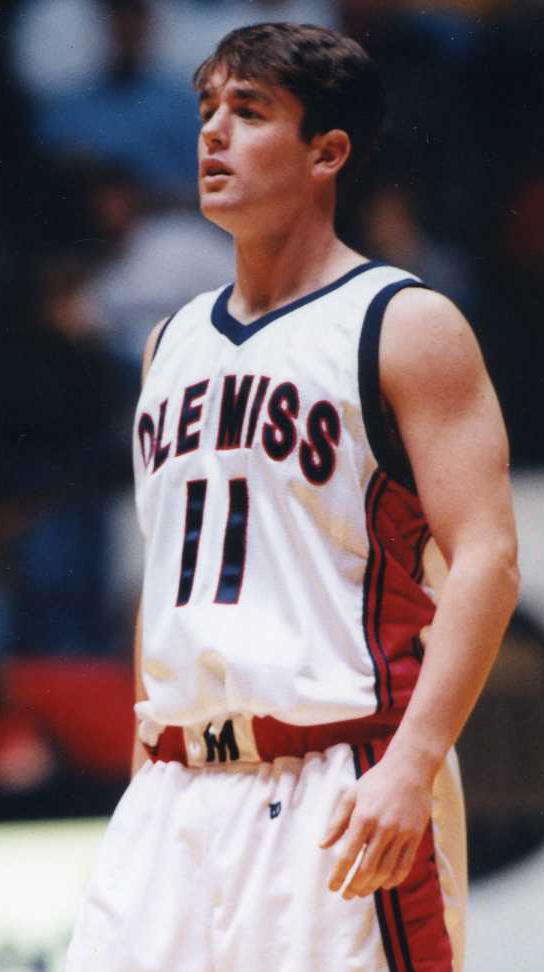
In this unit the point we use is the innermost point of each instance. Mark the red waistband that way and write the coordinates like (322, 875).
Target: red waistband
(274, 738)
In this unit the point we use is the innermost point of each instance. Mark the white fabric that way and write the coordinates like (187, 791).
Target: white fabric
(293, 646)
(198, 874)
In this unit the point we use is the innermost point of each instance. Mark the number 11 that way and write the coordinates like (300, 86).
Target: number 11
(234, 544)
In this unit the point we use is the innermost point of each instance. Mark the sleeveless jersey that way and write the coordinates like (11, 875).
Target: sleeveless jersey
(283, 553)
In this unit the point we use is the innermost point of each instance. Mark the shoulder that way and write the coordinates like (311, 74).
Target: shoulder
(199, 305)
(151, 346)
(427, 345)
(424, 319)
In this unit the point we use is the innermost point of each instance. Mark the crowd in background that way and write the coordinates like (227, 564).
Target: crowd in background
(100, 237)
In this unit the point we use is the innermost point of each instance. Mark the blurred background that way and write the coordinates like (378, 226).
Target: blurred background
(100, 237)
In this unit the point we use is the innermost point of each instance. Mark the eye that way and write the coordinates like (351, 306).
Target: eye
(248, 113)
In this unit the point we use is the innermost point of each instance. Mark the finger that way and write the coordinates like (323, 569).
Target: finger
(424, 635)
(374, 870)
(340, 820)
(402, 868)
(356, 839)
(352, 871)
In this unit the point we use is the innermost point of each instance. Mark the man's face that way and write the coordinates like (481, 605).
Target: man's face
(254, 167)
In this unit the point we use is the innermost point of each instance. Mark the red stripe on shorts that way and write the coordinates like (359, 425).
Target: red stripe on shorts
(411, 916)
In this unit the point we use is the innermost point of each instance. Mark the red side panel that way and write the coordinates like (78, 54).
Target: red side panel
(395, 606)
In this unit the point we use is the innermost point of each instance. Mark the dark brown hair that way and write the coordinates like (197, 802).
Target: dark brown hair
(334, 78)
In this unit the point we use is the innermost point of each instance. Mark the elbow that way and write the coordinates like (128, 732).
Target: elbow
(493, 562)
(515, 581)
(507, 564)
(512, 585)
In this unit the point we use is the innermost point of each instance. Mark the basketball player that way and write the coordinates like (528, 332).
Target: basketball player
(300, 436)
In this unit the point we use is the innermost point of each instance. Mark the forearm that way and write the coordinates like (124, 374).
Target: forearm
(477, 602)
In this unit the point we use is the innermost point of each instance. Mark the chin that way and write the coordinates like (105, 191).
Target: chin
(219, 211)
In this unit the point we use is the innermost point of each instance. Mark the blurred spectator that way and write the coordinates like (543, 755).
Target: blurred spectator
(507, 100)
(423, 55)
(162, 262)
(57, 44)
(62, 402)
(132, 113)
(179, 35)
(82, 205)
(15, 159)
(513, 335)
(387, 224)
(189, 31)
(143, 262)
(120, 86)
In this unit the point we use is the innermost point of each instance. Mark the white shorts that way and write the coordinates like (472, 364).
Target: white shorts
(219, 870)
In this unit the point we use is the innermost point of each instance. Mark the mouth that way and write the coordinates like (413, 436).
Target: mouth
(211, 168)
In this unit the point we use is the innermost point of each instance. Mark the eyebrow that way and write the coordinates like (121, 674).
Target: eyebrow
(242, 94)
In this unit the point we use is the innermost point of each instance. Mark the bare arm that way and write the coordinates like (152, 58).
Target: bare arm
(139, 754)
(433, 377)
(453, 431)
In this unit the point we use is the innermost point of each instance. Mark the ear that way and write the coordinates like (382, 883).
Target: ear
(331, 152)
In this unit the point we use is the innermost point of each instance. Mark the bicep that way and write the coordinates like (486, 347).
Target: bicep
(433, 377)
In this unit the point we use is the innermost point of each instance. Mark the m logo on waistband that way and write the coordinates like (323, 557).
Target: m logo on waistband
(218, 745)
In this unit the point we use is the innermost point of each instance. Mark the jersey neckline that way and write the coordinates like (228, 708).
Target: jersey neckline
(236, 332)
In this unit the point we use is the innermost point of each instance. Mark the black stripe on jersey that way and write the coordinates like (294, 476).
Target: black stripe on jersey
(379, 595)
(379, 437)
(367, 585)
(234, 547)
(194, 515)
(226, 324)
(374, 577)
(161, 334)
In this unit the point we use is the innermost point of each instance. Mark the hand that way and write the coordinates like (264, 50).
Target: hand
(383, 815)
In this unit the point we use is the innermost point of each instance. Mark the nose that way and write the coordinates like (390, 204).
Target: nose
(214, 131)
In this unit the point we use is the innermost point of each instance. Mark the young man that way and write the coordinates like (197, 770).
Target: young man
(300, 436)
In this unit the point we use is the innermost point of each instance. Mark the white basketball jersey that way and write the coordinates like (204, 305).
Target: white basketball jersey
(283, 554)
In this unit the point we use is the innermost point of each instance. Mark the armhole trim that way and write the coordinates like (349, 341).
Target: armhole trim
(161, 334)
(392, 463)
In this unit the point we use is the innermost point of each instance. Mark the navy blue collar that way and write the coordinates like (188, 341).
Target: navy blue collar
(238, 333)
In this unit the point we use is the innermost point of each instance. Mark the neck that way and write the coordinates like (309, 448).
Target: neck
(275, 269)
